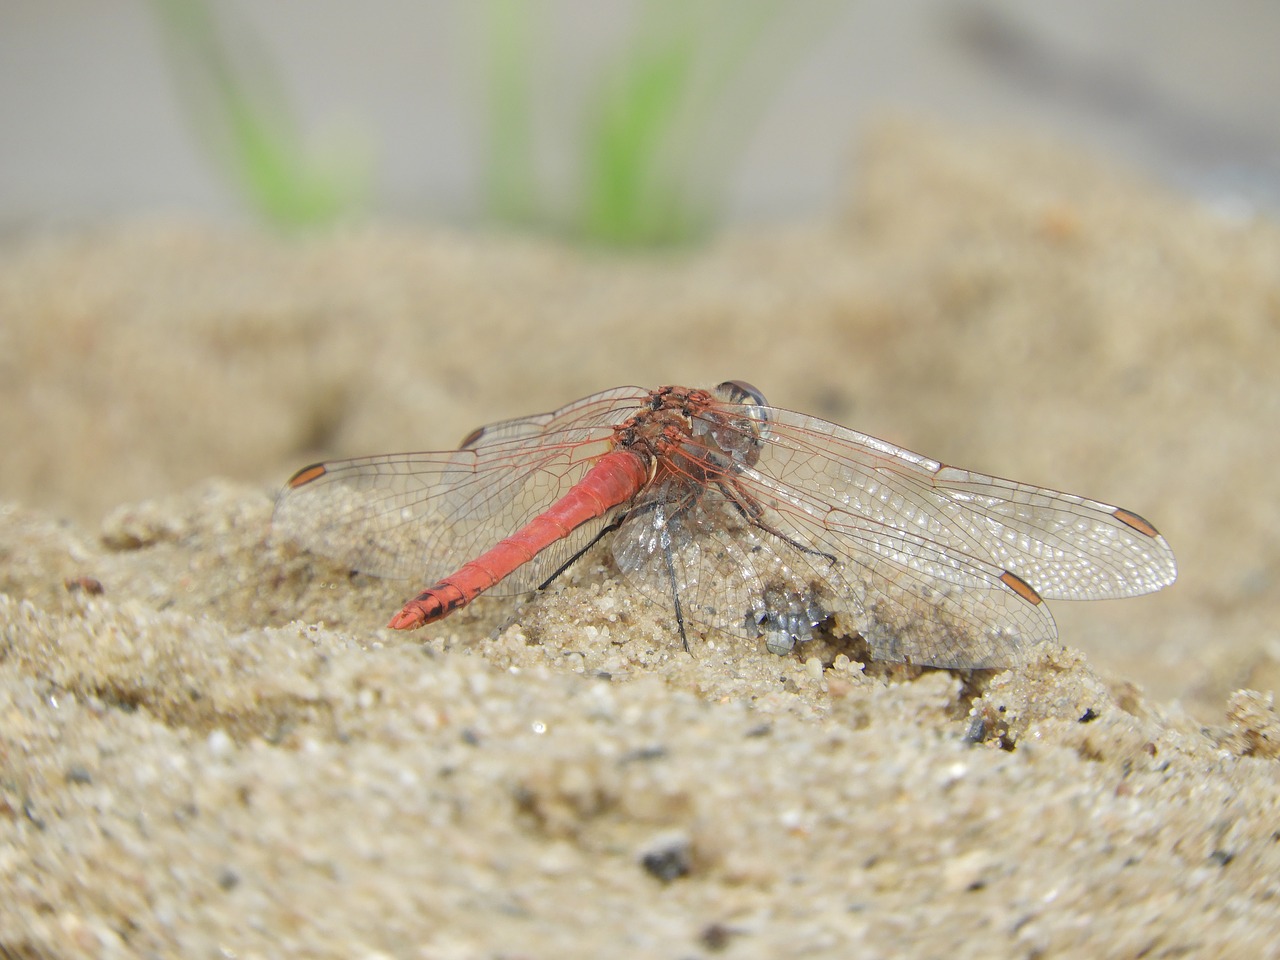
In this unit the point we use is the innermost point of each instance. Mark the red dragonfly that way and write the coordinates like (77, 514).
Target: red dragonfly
(745, 519)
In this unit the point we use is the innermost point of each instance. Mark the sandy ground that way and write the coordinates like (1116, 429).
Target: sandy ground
(223, 754)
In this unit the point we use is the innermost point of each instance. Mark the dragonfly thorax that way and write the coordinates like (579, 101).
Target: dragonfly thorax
(699, 435)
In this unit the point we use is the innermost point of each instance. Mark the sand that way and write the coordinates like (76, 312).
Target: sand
(210, 747)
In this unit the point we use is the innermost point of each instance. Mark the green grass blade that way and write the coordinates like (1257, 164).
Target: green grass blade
(240, 111)
(674, 108)
(510, 184)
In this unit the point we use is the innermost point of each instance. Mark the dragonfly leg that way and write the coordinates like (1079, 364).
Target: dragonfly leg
(675, 594)
(753, 513)
(607, 529)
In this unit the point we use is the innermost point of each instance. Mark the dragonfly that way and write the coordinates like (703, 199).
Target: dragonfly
(746, 520)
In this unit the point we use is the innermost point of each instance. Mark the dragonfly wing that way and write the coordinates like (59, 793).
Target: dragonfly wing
(423, 515)
(737, 577)
(846, 488)
(600, 409)
(807, 520)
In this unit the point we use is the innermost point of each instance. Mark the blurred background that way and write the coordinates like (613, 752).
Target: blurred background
(241, 237)
(630, 121)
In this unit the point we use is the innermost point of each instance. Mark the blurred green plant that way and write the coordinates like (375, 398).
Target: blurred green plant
(655, 140)
(239, 108)
(665, 120)
(510, 186)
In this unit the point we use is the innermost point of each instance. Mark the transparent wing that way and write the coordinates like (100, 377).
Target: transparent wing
(423, 515)
(836, 485)
(930, 564)
(911, 602)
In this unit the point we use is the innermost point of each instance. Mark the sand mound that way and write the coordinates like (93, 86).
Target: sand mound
(209, 746)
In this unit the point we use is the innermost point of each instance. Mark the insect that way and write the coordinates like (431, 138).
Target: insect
(748, 520)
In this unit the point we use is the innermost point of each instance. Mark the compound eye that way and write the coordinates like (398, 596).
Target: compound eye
(740, 432)
(739, 391)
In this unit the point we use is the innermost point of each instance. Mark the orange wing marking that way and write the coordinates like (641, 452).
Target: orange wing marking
(1020, 587)
(306, 475)
(1131, 519)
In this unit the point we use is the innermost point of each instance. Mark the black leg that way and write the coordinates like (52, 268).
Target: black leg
(675, 593)
(607, 529)
(752, 511)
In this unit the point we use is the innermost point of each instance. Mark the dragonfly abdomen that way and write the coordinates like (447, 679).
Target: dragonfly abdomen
(613, 480)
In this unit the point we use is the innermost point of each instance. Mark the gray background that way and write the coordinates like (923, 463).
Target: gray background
(94, 129)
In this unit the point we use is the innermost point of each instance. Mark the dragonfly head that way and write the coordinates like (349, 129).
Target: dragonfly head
(739, 391)
(737, 431)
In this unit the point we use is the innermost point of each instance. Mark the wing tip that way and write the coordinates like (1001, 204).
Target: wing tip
(1135, 522)
(1163, 557)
